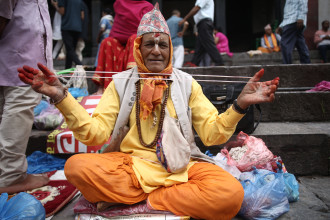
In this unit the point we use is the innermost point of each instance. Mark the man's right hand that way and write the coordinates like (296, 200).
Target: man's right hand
(42, 81)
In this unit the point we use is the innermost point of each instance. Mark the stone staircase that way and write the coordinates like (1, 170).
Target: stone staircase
(296, 126)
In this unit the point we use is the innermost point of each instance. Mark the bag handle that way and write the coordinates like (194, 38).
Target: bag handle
(259, 118)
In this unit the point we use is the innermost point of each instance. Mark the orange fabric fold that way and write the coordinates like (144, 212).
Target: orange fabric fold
(274, 41)
(107, 177)
(153, 89)
(110, 177)
(221, 201)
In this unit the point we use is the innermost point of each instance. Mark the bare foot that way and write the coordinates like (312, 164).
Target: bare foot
(31, 182)
(101, 206)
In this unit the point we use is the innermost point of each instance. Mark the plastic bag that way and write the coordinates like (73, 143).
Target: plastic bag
(221, 161)
(250, 152)
(48, 119)
(39, 162)
(78, 92)
(40, 107)
(253, 175)
(291, 184)
(22, 206)
(265, 198)
(291, 187)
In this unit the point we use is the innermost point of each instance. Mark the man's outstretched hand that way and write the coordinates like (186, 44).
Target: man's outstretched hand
(42, 81)
(256, 92)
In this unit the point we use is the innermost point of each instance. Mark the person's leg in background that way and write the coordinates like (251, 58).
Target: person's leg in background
(70, 40)
(199, 52)
(323, 52)
(288, 42)
(302, 47)
(16, 104)
(178, 56)
(206, 60)
(206, 39)
(80, 47)
(57, 48)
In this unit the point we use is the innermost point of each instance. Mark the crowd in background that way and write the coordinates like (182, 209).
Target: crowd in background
(204, 54)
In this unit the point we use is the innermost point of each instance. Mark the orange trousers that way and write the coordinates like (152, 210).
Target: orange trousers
(265, 50)
(210, 193)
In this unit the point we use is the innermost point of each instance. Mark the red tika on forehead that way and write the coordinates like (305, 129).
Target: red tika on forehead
(157, 34)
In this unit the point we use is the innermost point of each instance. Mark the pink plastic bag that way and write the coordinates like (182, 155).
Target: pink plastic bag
(255, 153)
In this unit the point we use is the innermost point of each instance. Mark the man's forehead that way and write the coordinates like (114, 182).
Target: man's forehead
(153, 36)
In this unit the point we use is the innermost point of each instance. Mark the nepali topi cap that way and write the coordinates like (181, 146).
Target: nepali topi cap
(153, 21)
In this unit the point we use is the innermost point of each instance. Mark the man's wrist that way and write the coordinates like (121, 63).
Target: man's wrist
(238, 109)
(59, 96)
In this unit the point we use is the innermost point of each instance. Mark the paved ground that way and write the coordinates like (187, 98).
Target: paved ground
(314, 201)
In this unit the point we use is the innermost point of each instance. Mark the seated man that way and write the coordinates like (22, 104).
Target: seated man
(322, 40)
(270, 41)
(138, 108)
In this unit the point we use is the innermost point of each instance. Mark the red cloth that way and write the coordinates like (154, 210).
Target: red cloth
(83, 206)
(113, 57)
(127, 19)
(55, 195)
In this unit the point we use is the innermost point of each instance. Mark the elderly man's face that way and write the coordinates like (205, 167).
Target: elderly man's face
(268, 31)
(155, 50)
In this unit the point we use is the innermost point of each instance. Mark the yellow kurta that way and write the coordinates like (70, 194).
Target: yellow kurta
(213, 129)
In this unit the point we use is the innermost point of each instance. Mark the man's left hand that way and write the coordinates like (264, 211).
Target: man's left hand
(300, 24)
(256, 92)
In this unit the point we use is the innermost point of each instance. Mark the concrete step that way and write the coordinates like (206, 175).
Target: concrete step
(244, 59)
(304, 147)
(291, 76)
(238, 59)
(297, 107)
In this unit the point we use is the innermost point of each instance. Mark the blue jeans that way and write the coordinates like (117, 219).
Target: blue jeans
(323, 52)
(294, 37)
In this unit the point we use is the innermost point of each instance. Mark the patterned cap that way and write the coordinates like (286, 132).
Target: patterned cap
(153, 21)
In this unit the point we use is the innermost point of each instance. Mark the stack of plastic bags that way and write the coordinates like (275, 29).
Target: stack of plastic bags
(46, 116)
(268, 187)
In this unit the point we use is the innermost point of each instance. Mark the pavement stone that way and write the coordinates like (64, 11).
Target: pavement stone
(313, 203)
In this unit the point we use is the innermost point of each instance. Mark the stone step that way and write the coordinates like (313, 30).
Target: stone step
(297, 107)
(304, 147)
(291, 76)
(244, 59)
(238, 59)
